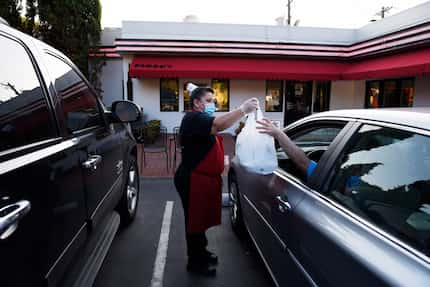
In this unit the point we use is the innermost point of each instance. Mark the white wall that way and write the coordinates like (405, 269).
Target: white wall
(422, 91)
(241, 90)
(351, 94)
(347, 95)
(147, 94)
(111, 80)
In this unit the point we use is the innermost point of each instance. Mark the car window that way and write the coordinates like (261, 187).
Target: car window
(313, 140)
(322, 136)
(384, 177)
(79, 103)
(24, 112)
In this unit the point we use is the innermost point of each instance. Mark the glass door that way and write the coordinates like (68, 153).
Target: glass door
(298, 100)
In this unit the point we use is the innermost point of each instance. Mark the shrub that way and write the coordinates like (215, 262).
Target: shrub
(151, 131)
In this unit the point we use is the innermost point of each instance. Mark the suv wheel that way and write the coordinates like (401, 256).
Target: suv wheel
(130, 199)
(236, 218)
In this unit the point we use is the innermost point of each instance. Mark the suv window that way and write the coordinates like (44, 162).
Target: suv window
(313, 140)
(384, 177)
(24, 114)
(79, 103)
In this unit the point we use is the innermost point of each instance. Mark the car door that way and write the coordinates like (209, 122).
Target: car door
(269, 200)
(99, 142)
(367, 223)
(42, 204)
(257, 194)
(317, 138)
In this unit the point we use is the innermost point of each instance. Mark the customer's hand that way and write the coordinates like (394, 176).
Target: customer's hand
(249, 106)
(265, 126)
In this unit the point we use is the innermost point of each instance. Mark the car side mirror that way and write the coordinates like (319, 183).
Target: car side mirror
(125, 111)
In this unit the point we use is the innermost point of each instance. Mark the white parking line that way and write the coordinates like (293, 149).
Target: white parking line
(163, 244)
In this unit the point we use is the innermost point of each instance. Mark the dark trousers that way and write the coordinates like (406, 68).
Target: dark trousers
(196, 242)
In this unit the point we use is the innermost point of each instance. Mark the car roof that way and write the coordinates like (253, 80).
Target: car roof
(412, 117)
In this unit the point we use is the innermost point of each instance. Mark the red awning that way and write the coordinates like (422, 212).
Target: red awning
(237, 68)
(397, 65)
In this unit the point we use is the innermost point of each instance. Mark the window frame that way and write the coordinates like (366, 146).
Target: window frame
(381, 94)
(198, 84)
(228, 93)
(177, 83)
(45, 95)
(290, 86)
(101, 108)
(319, 85)
(282, 95)
(330, 170)
(304, 125)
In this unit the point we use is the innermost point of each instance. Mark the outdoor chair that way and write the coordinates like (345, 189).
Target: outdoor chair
(159, 144)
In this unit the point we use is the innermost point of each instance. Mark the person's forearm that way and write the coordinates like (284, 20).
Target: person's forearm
(299, 158)
(226, 120)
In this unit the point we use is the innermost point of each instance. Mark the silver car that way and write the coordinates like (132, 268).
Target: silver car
(363, 216)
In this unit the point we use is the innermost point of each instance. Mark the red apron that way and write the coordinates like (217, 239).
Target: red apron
(204, 209)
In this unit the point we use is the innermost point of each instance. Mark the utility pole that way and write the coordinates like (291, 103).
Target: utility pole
(384, 9)
(289, 12)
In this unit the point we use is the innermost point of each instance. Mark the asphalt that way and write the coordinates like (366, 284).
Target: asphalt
(130, 260)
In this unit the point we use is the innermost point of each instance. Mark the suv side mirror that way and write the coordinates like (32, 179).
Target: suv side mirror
(125, 111)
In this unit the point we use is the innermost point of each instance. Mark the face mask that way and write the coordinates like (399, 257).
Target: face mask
(210, 108)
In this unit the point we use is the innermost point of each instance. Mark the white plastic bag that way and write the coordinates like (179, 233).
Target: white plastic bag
(254, 150)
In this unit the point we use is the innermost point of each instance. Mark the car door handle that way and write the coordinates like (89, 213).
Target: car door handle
(92, 161)
(10, 215)
(283, 206)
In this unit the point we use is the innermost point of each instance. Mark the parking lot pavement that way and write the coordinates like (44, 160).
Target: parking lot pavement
(130, 261)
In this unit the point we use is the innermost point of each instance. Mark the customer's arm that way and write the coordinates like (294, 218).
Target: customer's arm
(226, 120)
(299, 158)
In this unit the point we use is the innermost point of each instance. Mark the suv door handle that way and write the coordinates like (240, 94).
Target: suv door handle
(283, 206)
(92, 161)
(10, 215)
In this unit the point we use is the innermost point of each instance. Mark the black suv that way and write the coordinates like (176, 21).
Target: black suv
(68, 167)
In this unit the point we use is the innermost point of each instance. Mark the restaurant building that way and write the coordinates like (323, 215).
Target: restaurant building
(293, 71)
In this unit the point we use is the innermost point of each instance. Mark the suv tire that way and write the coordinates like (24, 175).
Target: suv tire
(127, 207)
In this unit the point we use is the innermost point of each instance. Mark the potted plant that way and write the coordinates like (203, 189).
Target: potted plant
(151, 131)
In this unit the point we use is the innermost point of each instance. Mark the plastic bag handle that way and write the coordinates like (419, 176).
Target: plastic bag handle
(250, 119)
(257, 115)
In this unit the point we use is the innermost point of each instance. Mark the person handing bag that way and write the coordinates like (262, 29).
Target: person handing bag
(198, 177)
(254, 150)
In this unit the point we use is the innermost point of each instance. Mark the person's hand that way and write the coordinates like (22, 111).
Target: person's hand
(267, 127)
(249, 106)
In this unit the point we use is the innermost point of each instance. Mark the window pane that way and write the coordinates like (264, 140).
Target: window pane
(384, 177)
(407, 93)
(79, 103)
(222, 96)
(169, 95)
(187, 102)
(274, 96)
(299, 98)
(391, 94)
(372, 94)
(313, 141)
(322, 96)
(321, 136)
(24, 114)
